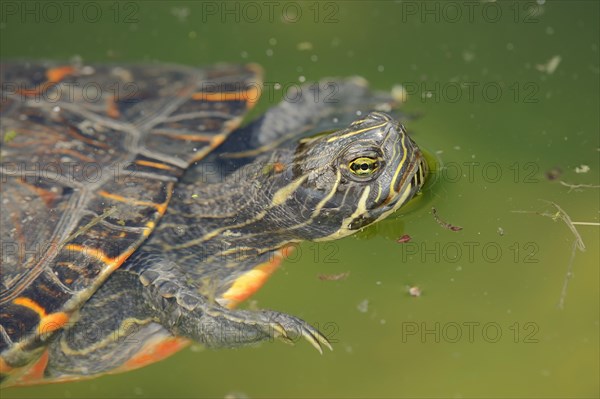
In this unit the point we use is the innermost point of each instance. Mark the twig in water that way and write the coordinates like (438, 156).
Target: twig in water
(445, 225)
(577, 243)
(576, 186)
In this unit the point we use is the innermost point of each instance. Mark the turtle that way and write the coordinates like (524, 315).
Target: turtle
(138, 212)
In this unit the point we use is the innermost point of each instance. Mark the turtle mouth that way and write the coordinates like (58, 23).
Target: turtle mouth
(411, 183)
(413, 179)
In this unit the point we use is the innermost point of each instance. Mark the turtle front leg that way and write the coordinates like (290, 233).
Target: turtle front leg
(137, 318)
(218, 327)
(184, 311)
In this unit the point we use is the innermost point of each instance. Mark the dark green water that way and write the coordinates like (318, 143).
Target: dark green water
(496, 110)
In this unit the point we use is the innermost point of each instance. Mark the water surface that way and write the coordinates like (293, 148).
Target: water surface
(503, 98)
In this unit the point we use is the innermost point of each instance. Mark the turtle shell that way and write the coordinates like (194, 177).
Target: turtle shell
(90, 155)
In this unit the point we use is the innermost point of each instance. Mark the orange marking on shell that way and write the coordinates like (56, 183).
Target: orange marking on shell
(48, 322)
(88, 251)
(32, 305)
(217, 140)
(36, 372)
(72, 132)
(252, 96)
(205, 138)
(156, 165)
(220, 96)
(111, 108)
(47, 196)
(59, 73)
(149, 228)
(74, 154)
(161, 208)
(53, 76)
(38, 90)
(251, 281)
(52, 322)
(4, 367)
(150, 353)
(112, 263)
(154, 352)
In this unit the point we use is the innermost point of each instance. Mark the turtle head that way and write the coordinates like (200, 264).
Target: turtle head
(350, 178)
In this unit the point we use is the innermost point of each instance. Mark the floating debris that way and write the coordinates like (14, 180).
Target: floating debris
(399, 93)
(554, 173)
(403, 239)
(333, 277)
(236, 395)
(414, 291)
(181, 13)
(363, 307)
(468, 56)
(578, 244)
(582, 169)
(304, 46)
(500, 231)
(197, 348)
(445, 225)
(550, 66)
(578, 186)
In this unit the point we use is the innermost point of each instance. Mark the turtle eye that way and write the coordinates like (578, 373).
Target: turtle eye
(363, 166)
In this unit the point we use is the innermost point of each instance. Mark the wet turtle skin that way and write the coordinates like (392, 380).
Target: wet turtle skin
(136, 213)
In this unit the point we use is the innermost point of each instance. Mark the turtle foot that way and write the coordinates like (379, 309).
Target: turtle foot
(292, 328)
(184, 311)
(238, 327)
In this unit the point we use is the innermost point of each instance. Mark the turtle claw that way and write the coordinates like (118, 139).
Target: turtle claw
(218, 327)
(259, 326)
(315, 338)
(298, 328)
